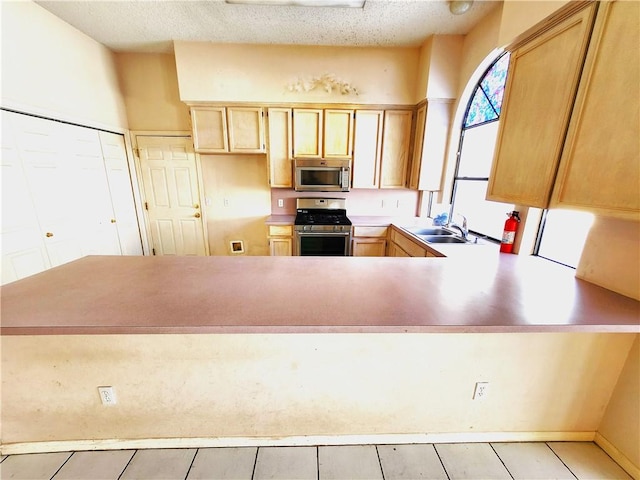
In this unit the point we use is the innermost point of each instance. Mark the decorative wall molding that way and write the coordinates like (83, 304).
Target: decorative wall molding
(327, 82)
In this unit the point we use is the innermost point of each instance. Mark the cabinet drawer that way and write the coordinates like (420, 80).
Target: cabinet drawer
(408, 245)
(280, 230)
(369, 231)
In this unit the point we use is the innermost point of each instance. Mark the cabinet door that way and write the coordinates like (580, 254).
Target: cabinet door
(209, 129)
(307, 133)
(279, 153)
(395, 148)
(367, 149)
(338, 133)
(395, 251)
(541, 84)
(368, 247)
(416, 161)
(280, 246)
(600, 170)
(246, 129)
(431, 145)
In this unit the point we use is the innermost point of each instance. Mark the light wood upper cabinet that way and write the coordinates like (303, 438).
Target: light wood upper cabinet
(541, 84)
(246, 129)
(279, 152)
(600, 167)
(210, 129)
(228, 130)
(338, 133)
(396, 143)
(307, 133)
(319, 133)
(367, 149)
(430, 145)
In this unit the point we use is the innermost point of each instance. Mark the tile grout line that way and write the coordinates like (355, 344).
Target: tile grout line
(191, 464)
(433, 445)
(63, 464)
(255, 462)
(379, 462)
(503, 464)
(127, 465)
(554, 452)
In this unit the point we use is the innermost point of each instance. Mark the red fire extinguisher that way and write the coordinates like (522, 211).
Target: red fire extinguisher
(509, 234)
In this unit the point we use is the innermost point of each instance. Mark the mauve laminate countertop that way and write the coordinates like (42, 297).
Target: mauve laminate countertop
(492, 293)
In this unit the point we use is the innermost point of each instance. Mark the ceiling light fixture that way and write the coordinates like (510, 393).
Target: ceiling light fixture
(458, 7)
(302, 3)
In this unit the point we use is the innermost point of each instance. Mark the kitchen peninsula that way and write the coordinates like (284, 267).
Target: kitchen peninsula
(224, 351)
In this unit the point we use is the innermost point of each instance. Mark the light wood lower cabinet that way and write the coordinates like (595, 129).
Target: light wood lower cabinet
(403, 246)
(369, 241)
(280, 240)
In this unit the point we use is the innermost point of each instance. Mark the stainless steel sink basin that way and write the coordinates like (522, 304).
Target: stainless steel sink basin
(431, 231)
(442, 239)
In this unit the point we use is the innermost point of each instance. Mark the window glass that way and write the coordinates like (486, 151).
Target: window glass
(477, 152)
(563, 235)
(482, 216)
(480, 110)
(493, 82)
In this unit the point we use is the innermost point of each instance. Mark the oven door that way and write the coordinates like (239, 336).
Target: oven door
(329, 244)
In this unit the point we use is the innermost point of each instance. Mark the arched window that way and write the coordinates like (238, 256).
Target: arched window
(475, 154)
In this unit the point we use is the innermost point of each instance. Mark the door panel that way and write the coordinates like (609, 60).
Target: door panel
(170, 181)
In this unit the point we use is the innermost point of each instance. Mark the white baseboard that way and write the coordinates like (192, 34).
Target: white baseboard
(619, 457)
(310, 440)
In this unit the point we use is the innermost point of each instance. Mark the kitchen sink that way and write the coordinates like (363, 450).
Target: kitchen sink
(431, 231)
(443, 239)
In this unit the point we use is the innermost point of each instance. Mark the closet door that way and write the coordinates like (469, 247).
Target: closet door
(23, 247)
(125, 219)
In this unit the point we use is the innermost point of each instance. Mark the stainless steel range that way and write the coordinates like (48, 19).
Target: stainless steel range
(322, 227)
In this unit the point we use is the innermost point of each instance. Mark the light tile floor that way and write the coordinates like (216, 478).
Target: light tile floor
(481, 461)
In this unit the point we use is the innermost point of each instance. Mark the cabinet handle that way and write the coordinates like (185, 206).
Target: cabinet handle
(113, 220)
(49, 234)
(196, 205)
(197, 215)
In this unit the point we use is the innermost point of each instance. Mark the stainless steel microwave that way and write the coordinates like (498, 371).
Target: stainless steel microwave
(322, 175)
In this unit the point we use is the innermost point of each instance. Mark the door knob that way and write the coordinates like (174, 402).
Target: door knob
(49, 234)
(197, 215)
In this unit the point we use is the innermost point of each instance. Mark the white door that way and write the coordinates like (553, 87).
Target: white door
(125, 219)
(42, 146)
(23, 248)
(172, 195)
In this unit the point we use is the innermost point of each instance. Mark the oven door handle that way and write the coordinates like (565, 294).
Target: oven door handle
(322, 234)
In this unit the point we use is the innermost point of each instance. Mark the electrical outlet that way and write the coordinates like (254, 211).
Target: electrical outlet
(225, 202)
(107, 395)
(481, 390)
(280, 202)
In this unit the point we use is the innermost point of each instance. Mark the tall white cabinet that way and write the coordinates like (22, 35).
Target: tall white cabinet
(66, 193)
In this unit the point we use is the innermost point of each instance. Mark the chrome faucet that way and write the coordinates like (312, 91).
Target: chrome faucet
(464, 231)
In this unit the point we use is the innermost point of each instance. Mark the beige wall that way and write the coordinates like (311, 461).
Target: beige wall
(621, 422)
(149, 84)
(611, 256)
(249, 385)
(439, 67)
(518, 16)
(52, 69)
(237, 189)
(261, 73)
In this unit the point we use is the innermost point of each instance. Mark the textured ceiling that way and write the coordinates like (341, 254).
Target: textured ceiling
(151, 26)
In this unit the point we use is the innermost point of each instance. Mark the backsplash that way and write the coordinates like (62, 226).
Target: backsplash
(398, 202)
